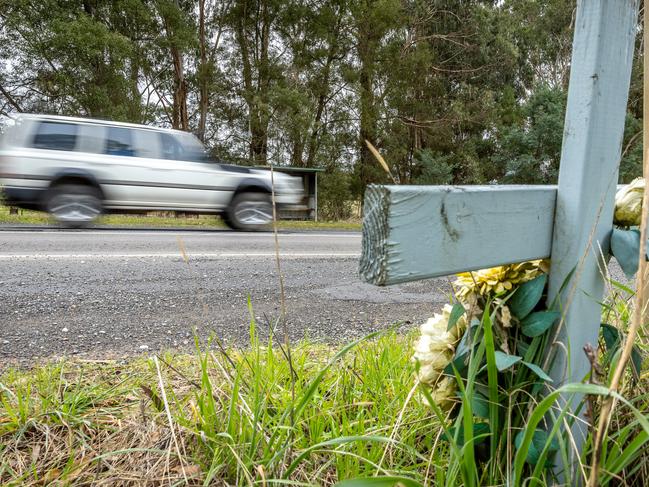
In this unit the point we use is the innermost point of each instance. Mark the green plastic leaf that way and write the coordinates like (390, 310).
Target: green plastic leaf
(463, 349)
(457, 364)
(625, 246)
(480, 406)
(388, 481)
(539, 322)
(611, 337)
(527, 296)
(505, 361)
(456, 314)
(538, 371)
(613, 341)
(467, 340)
(522, 348)
(539, 440)
(538, 387)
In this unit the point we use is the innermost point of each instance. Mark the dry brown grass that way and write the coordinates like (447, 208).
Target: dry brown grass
(78, 423)
(108, 423)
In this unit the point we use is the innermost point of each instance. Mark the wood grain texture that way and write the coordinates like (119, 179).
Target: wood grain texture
(417, 232)
(602, 57)
(597, 96)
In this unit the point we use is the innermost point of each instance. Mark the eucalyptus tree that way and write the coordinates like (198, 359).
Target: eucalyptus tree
(65, 57)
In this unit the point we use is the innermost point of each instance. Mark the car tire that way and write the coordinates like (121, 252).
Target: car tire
(74, 205)
(250, 211)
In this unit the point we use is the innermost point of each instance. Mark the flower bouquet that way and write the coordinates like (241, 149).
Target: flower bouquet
(486, 352)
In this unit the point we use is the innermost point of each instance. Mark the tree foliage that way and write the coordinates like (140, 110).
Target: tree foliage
(450, 91)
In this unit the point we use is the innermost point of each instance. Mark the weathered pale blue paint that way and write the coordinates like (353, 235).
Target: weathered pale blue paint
(418, 232)
(602, 57)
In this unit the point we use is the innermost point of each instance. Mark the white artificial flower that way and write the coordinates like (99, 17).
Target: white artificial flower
(444, 392)
(435, 325)
(434, 343)
(434, 349)
(428, 374)
(438, 358)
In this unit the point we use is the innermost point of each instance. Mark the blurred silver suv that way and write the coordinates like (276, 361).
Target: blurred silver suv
(76, 169)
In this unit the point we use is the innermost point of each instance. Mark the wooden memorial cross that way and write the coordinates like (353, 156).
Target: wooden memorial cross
(418, 232)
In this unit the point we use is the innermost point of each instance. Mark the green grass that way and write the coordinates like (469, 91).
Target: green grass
(244, 417)
(238, 416)
(27, 217)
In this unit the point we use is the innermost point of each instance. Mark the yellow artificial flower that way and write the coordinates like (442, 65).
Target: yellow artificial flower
(496, 280)
(628, 203)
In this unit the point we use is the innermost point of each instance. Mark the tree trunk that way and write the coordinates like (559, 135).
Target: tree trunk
(258, 134)
(368, 116)
(179, 114)
(179, 117)
(263, 86)
(312, 146)
(135, 112)
(256, 95)
(332, 52)
(203, 72)
(296, 151)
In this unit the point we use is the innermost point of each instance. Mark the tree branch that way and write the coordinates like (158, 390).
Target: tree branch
(10, 99)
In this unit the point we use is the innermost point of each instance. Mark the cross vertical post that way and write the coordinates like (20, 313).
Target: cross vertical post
(602, 57)
(418, 232)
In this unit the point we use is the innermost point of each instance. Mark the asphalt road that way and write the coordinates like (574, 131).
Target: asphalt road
(107, 293)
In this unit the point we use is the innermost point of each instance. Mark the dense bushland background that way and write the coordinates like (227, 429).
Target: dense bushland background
(450, 91)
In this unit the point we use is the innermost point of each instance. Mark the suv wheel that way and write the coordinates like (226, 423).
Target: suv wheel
(250, 211)
(74, 205)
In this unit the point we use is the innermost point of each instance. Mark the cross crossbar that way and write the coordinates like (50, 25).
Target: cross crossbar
(418, 232)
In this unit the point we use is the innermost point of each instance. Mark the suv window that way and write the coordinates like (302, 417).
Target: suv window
(118, 142)
(183, 147)
(55, 136)
(171, 148)
(146, 142)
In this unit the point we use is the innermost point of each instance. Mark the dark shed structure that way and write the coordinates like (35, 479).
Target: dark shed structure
(309, 176)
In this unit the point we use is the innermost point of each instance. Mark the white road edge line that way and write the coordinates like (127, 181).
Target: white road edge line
(212, 255)
(171, 233)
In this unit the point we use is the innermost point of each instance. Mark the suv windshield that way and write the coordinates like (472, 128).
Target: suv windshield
(182, 147)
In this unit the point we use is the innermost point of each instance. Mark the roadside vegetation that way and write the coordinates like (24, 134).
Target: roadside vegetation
(231, 417)
(27, 217)
(254, 416)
